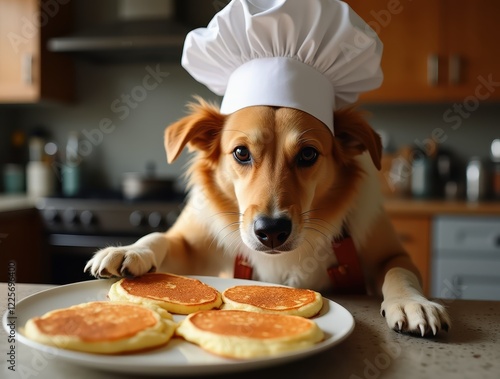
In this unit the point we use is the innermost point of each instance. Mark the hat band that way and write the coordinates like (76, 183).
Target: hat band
(280, 82)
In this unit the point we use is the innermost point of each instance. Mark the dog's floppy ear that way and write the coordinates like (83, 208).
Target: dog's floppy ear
(200, 129)
(356, 135)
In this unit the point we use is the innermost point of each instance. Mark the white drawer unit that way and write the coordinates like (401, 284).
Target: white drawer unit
(466, 257)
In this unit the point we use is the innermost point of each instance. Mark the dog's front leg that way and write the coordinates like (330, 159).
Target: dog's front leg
(405, 307)
(132, 260)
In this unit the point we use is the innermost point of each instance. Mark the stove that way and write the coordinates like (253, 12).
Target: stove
(76, 228)
(107, 216)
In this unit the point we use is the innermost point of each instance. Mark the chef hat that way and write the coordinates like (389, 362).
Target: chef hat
(314, 55)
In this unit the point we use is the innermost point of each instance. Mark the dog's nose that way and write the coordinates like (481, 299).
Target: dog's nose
(272, 232)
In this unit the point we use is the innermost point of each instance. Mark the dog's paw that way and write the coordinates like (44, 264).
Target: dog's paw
(121, 261)
(415, 315)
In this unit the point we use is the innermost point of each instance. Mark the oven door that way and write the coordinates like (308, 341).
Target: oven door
(69, 253)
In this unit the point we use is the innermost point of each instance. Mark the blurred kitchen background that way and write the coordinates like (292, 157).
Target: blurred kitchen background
(88, 87)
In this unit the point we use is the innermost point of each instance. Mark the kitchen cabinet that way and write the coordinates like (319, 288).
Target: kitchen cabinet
(22, 246)
(29, 73)
(435, 50)
(414, 233)
(472, 46)
(465, 257)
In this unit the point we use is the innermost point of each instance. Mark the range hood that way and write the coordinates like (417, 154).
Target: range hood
(158, 39)
(136, 30)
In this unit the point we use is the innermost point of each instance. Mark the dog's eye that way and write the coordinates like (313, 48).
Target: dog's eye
(307, 157)
(242, 154)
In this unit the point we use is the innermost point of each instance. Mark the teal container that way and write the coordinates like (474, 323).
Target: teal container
(13, 178)
(71, 180)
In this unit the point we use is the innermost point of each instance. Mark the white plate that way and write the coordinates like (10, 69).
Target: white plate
(178, 357)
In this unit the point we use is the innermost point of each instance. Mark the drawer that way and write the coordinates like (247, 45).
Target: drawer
(461, 278)
(471, 235)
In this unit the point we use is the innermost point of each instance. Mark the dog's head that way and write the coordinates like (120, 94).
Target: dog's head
(276, 173)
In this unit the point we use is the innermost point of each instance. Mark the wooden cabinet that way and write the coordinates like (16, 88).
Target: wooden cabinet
(472, 48)
(22, 247)
(435, 50)
(415, 235)
(29, 73)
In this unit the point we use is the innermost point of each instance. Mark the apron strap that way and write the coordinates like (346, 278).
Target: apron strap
(347, 275)
(242, 268)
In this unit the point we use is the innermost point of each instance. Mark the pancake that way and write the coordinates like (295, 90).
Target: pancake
(102, 327)
(243, 334)
(175, 293)
(273, 299)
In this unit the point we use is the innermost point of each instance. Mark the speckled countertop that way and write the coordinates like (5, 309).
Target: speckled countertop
(470, 350)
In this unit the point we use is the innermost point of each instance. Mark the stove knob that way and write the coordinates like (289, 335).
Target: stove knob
(70, 216)
(137, 218)
(155, 219)
(87, 218)
(51, 216)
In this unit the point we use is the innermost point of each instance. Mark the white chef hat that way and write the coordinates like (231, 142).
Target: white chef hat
(314, 55)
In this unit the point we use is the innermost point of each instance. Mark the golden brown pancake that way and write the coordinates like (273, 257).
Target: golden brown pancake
(102, 327)
(244, 334)
(175, 293)
(273, 299)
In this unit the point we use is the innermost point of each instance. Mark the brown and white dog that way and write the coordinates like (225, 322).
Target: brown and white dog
(273, 185)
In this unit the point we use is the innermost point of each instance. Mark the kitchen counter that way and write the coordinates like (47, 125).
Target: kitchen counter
(470, 350)
(414, 207)
(16, 202)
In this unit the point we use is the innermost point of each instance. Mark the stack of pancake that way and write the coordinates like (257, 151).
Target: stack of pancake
(245, 321)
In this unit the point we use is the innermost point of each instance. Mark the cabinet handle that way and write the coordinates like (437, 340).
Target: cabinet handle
(433, 70)
(27, 69)
(454, 69)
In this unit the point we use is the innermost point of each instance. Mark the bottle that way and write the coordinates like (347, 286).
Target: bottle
(70, 171)
(475, 180)
(40, 177)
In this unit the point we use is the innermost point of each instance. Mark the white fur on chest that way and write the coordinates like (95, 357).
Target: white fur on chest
(297, 268)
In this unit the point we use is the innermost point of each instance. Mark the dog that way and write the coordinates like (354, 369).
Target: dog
(273, 185)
